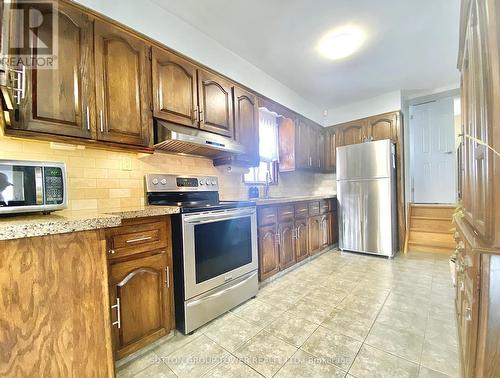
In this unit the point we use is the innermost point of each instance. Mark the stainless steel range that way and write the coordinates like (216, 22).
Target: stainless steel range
(214, 247)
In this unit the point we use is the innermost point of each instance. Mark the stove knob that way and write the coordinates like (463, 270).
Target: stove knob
(202, 182)
(155, 181)
(213, 182)
(163, 182)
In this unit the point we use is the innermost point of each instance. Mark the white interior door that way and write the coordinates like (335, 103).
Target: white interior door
(433, 155)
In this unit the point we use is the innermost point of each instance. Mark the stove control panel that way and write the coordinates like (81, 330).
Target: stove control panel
(156, 182)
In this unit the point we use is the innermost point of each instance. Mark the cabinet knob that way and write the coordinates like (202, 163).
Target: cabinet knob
(111, 252)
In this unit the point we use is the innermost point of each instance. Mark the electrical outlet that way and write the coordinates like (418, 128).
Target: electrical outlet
(126, 164)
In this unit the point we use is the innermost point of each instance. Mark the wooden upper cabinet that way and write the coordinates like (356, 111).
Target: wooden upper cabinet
(175, 97)
(123, 86)
(216, 103)
(302, 144)
(330, 150)
(246, 116)
(286, 131)
(321, 148)
(141, 296)
(61, 101)
(384, 126)
(353, 132)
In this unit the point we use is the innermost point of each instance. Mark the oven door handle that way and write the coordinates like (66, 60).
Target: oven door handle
(210, 218)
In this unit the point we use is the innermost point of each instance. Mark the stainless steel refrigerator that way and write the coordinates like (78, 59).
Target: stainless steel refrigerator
(366, 194)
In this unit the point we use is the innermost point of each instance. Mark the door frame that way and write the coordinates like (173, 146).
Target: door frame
(414, 101)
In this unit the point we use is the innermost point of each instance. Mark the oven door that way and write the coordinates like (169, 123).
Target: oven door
(219, 246)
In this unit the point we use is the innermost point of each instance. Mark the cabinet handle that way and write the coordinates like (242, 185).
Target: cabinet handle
(88, 119)
(278, 241)
(100, 117)
(294, 233)
(462, 286)
(195, 114)
(167, 280)
(202, 119)
(118, 316)
(310, 161)
(139, 239)
(319, 163)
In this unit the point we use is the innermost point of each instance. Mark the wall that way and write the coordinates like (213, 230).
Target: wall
(107, 181)
(161, 25)
(384, 103)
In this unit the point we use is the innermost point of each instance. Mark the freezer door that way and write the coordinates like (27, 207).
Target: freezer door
(366, 216)
(365, 160)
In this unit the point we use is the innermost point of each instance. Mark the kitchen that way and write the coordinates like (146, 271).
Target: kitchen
(171, 208)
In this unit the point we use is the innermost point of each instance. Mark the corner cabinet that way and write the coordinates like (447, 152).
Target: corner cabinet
(123, 91)
(140, 283)
(61, 101)
(478, 232)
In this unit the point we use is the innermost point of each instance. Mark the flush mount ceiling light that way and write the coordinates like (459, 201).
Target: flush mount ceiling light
(341, 42)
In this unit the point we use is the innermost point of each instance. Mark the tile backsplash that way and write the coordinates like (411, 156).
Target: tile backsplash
(107, 181)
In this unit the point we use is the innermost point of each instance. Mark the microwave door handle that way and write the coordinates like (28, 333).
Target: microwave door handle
(39, 185)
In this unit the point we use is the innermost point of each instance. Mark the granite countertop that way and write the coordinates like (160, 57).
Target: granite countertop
(30, 225)
(279, 200)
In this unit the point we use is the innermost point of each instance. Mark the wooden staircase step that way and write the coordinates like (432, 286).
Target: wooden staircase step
(431, 225)
(416, 247)
(435, 231)
(432, 211)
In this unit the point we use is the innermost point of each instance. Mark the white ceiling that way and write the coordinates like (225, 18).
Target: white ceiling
(412, 44)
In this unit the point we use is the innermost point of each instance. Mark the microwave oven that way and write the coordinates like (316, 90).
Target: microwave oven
(32, 186)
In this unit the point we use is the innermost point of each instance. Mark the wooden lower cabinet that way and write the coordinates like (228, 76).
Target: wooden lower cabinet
(268, 252)
(140, 290)
(140, 283)
(314, 227)
(286, 242)
(290, 232)
(301, 240)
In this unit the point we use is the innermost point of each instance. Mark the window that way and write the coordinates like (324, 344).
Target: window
(268, 150)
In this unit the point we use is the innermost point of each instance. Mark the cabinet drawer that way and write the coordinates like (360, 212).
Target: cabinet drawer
(266, 216)
(325, 206)
(301, 210)
(313, 208)
(136, 238)
(286, 213)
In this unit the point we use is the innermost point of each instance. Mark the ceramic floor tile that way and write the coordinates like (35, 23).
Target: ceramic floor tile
(230, 332)
(402, 320)
(283, 300)
(429, 373)
(135, 366)
(303, 364)
(441, 359)
(257, 312)
(311, 311)
(174, 343)
(196, 358)
(265, 353)
(399, 342)
(371, 363)
(157, 370)
(335, 348)
(292, 329)
(234, 368)
(349, 323)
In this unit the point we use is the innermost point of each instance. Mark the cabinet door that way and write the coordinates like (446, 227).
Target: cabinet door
(334, 228)
(302, 143)
(246, 116)
(286, 132)
(324, 236)
(61, 101)
(353, 132)
(141, 296)
(321, 148)
(286, 233)
(216, 103)
(330, 150)
(268, 252)
(301, 241)
(313, 148)
(123, 86)
(314, 227)
(175, 97)
(383, 126)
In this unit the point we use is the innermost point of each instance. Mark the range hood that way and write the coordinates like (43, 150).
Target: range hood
(187, 140)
